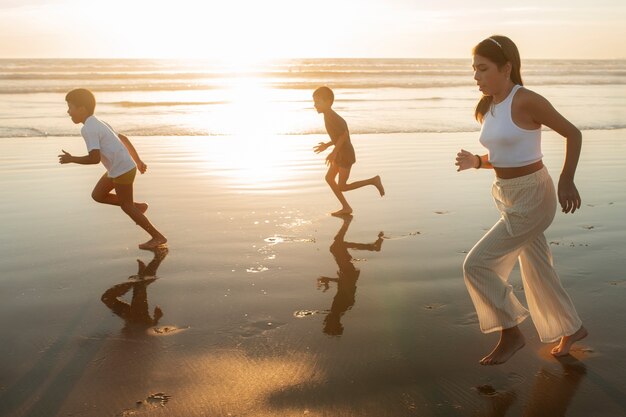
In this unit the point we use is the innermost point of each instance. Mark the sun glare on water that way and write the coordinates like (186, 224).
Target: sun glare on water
(253, 154)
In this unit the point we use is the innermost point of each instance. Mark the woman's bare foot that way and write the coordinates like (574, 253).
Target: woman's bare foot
(511, 340)
(562, 349)
(379, 184)
(155, 242)
(342, 212)
(142, 207)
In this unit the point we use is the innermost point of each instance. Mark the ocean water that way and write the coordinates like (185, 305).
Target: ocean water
(375, 96)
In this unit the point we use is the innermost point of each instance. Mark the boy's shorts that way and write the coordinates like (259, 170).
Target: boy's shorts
(125, 179)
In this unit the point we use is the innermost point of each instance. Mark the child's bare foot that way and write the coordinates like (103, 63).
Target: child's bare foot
(153, 243)
(379, 184)
(142, 207)
(562, 349)
(342, 212)
(511, 340)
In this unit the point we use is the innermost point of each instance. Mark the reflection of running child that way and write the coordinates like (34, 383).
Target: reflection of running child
(341, 159)
(347, 276)
(136, 314)
(118, 156)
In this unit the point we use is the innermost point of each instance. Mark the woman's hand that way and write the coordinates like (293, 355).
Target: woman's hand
(321, 147)
(568, 195)
(465, 160)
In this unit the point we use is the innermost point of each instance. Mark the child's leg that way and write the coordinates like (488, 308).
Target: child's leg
(124, 194)
(102, 194)
(344, 186)
(333, 170)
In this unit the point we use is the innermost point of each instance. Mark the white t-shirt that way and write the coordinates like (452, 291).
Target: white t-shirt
(113, 153)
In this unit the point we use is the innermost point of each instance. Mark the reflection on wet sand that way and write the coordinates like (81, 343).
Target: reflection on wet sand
(347, 276)
(136, 315)
(551, 394)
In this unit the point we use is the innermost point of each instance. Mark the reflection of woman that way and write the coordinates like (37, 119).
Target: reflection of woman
(553, 392)
(136, 314)
(511, 118)
(551, 395)
(347, 275)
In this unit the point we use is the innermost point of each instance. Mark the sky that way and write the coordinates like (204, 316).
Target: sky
(250, 30)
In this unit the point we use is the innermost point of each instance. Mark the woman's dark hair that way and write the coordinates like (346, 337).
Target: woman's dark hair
(499, 50)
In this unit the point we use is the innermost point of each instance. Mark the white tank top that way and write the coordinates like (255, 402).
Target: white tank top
(509, 145)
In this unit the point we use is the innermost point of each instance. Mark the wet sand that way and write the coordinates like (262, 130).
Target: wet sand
(268, 306)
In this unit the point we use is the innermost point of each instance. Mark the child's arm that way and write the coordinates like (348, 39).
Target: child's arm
(338, 144)
(133, 153)
(92, 158)
(322, 146)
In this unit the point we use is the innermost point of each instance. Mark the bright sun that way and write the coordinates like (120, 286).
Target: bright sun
(252, 154)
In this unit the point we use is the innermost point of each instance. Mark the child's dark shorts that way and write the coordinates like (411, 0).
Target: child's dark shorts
(126, 178)
(345, 157)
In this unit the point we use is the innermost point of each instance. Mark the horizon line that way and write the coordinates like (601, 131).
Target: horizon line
(298, 58)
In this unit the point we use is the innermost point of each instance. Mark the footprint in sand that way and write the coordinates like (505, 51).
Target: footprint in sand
(434, 306)
(258, 327)
(158, 399)
(442, 212)
(486, 390)
(400, 236)
(498, 401)
(305, 313)
(571, 244)
(166, 330)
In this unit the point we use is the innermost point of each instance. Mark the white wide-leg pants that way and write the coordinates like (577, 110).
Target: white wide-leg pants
(527, 205)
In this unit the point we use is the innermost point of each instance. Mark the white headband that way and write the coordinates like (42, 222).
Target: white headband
(496, 42)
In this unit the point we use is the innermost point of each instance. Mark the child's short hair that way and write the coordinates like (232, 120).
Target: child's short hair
(325, 93)
(82, 97)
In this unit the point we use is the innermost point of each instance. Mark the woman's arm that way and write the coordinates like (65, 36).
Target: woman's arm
(133, 153)
(543, 113)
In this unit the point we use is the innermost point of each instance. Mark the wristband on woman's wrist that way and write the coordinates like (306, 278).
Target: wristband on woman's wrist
(480, 161)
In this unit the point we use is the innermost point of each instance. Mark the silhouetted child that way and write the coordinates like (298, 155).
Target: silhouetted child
(118, 156)
(341, 159)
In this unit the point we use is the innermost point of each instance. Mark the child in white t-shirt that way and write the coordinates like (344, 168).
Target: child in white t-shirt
(118, 156)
